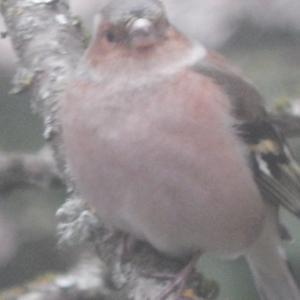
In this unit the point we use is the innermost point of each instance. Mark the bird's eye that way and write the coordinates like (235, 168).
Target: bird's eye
(110, 36)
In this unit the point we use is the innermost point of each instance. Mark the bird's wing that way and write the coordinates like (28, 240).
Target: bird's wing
(274, 167)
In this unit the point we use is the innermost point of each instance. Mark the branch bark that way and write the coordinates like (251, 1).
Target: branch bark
(48, 46)
(81, 282)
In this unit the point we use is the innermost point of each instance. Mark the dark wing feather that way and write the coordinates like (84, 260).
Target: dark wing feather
(275, 170)
(276, 180)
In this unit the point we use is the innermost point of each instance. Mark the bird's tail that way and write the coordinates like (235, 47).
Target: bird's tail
(269, 266)
(278, 285)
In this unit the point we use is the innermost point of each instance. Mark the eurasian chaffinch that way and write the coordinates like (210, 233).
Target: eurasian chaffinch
(172, 146)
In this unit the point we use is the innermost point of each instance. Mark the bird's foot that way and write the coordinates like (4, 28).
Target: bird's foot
(126, 247)
(178, 283)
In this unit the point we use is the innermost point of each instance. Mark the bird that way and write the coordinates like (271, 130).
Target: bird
(170, 144)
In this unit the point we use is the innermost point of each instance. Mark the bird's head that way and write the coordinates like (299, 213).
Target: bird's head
(135, 24)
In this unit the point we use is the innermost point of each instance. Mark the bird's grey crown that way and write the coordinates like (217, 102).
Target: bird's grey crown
(120, 11)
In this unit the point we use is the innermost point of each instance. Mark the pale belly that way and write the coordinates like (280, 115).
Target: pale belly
(166, 171)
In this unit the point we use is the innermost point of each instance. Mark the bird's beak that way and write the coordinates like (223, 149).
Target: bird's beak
(142, 33)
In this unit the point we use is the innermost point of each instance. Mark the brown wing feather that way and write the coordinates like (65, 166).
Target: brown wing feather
(274, 168)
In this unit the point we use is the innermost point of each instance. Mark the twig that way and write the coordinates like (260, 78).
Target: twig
(288, 123)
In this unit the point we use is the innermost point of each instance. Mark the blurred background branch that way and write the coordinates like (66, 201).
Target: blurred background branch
(288, 123)
(21, 170)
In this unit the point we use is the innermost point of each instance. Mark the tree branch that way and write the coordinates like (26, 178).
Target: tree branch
(48, 46)
(81, 282)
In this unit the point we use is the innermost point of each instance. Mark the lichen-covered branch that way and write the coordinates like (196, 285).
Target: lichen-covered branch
(82, 282)
(48, 44)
